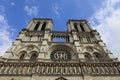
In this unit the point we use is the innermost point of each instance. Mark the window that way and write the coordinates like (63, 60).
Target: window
(33, 57)
(88, 39)
(58, 39)
(36, 26)
(97, 57)
(82, 28)
(22, 57)
(43, 26)
(81, 39)
(75, 25)
(87, 57)
(30, 37)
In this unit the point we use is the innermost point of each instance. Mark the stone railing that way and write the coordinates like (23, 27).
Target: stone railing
(26, 68)
(100, 60)
(61, 36)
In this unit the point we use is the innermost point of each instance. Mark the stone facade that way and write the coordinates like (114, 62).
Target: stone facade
(39, 53)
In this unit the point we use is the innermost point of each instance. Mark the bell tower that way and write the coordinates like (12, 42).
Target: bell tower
(40, 53)
(89, 46)
(40, 24)
(79, 26)
(37, 33)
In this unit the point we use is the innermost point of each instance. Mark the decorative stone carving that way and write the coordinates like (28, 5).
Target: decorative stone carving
(60, 55)
(61, 78)
(89, 49)
(30, 48)
(21, 45)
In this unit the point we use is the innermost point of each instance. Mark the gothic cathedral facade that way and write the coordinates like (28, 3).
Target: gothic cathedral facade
(39, 53)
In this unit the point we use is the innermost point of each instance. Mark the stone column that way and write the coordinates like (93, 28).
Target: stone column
(32, 26)
(70, 38)
(72, 26)
(49, 25)
(75, 36)
(86, 27)
(40, 26)
(79, 29)
(29, 25)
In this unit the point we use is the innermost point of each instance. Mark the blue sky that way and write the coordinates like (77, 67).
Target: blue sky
(103, 15)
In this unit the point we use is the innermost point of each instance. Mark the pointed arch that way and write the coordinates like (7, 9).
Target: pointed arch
(34, 56)
(75, 26)
(43, 26)
(61, 78)
(88, 57)
(22, 55)
(65, 47)
(82, 27)
(93, 49)
(36, 26)
(97, 57)
(25, 48)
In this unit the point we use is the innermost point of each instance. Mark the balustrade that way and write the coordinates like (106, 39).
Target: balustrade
(60, 68)
(60, 37)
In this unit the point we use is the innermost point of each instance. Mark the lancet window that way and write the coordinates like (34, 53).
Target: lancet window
(82, 28)
(88, 57)
(97, 57)
(75, 26)
(36, 26)
(33, 57)
(43, 26)
(22, 57)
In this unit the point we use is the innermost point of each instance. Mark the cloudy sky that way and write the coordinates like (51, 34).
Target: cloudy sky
(103, 15)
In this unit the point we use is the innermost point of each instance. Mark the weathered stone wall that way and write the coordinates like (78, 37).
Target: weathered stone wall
(38, 77)
(102, 77)
(15, 78)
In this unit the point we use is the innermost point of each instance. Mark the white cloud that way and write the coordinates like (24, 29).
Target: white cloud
(31, 1)
(2, 9)
(5, 32)
(5, 40)
(31, 10)
(12, 4)
(108, 24)
(56, 9)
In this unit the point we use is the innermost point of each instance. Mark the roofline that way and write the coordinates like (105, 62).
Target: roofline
(77, 20)
(42, 19)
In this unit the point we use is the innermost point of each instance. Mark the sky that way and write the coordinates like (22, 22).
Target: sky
(103, 15)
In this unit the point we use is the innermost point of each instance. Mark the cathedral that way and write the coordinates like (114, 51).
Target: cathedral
(40, 53)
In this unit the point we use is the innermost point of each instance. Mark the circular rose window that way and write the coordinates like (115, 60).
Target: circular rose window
(60, 55)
